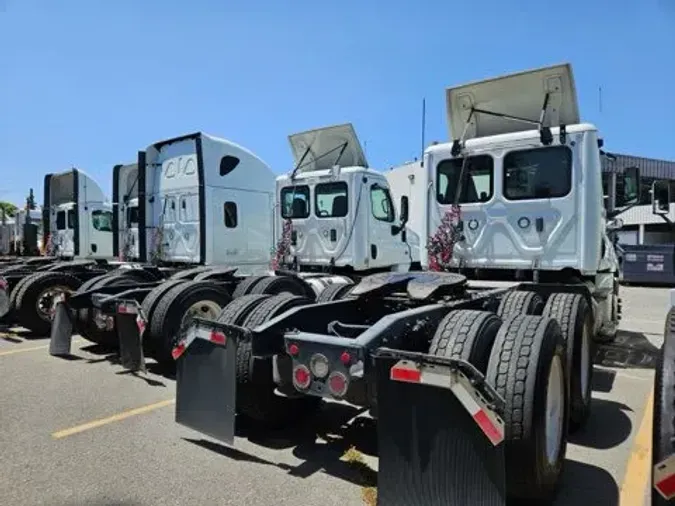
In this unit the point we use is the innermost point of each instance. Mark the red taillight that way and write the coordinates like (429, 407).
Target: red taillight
(3, 284)
(345, 358)
(293, 350)
(178, 351)
(217, 337)
(337, 384)
(410, 375)
(301, 376)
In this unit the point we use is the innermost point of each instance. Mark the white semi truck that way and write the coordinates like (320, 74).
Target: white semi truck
(210, 204)
(454, 370)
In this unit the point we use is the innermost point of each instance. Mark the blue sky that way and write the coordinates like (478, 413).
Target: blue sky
(87, 83)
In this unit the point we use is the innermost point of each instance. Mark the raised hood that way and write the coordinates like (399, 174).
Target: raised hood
(520, 95)
(325, 145)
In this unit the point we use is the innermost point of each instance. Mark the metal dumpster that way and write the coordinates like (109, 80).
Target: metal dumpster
(649, 264)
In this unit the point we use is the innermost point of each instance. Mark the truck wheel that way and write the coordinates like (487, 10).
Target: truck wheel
(237, 310)
(530, 303)
(256, 396)
(467, 335)
(572, 313)
(189, 274)
(15, 290)
(35, 298)
(274, 285)
(334, 292)
(663, 433)
(175, 310)
(153, 297)
(527, 368)
(246, 285)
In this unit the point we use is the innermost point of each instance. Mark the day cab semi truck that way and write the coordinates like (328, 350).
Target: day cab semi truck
(474, 387)
(78, 234)
(220, 216)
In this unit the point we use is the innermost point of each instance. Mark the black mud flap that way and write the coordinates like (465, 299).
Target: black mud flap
(61, 336)
(206, 380)
(432, 451)
(130, 323)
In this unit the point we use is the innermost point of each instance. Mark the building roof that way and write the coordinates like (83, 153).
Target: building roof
(649, 167)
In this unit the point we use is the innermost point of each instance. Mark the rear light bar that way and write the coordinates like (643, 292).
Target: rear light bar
(486, 418)
(214, 336)
(664, 478)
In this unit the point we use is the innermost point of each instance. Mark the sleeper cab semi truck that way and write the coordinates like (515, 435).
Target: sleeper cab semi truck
(491, 377)
(331, 252)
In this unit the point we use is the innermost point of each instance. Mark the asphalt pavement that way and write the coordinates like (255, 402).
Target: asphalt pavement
(82, 431)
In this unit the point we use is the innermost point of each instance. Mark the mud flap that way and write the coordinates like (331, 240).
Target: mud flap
(61, 336)
(130, 324)
(432, 451)
(206, 381)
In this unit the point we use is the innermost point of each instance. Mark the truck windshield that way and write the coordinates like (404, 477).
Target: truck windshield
(295, 202)
(540, 173)
(478, 180)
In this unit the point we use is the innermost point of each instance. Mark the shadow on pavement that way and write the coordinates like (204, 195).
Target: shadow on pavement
(583, 484)
(630, 350)
(320, 440)
(607, 427)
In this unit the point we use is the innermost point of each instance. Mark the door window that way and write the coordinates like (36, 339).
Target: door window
(380, 203)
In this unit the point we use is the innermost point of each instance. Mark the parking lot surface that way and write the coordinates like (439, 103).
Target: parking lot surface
(84, 432)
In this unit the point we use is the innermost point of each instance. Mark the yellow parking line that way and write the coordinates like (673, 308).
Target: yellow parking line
(111, 419)
(22, 350)
(638, 471)
(32, 348)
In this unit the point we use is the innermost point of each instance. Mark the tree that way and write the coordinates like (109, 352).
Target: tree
(9, 208)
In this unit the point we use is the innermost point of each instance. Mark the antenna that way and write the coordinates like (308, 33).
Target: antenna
(600, 99)
(424, 124)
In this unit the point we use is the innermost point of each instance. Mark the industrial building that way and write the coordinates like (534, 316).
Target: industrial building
(640, 225)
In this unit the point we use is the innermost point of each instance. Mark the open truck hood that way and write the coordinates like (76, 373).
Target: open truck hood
(520, 94)
(326, 144)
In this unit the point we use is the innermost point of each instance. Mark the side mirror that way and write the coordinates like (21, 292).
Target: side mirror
(661, 197)
(615, 224)
(631, 185)
(404, 209)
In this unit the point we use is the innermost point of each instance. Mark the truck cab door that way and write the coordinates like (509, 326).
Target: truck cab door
(386, 245)
(97, 239)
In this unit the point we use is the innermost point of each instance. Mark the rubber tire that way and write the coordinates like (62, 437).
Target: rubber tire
(274, 285)
(519, 367)
(256, 396)
(153, 297)
(529, 303)
(165, 322)
(336, 291)
(15, 291)
(663, 433)
(245, 286)
(467, 335)
(189, 274)
(238, 310)
(26, 312)
(572, 313)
